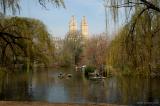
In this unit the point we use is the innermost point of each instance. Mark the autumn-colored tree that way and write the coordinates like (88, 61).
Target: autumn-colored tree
(96, 49)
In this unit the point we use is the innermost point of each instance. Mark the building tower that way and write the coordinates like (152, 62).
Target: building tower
(73, 25)
(84, 28)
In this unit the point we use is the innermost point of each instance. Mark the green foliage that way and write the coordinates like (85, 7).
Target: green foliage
(136, 51)
(72, 50)
(89, 69)
(116, 55)
(20, 44)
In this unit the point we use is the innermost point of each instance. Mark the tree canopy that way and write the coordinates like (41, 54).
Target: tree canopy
(19, 41)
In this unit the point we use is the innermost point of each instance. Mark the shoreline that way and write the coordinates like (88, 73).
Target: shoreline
(34, 103)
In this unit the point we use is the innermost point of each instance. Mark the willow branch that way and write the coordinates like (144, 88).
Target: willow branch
(150, 5)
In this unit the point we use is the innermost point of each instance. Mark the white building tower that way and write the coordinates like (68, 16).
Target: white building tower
(73, 25)
(84, 28)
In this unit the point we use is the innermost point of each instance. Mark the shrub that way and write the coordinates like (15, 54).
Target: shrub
(89, 69)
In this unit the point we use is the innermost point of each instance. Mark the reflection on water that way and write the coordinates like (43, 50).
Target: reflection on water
(44, 85)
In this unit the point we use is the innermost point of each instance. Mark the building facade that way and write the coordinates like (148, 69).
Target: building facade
(84, 28)
(73, 25)
(73, 29)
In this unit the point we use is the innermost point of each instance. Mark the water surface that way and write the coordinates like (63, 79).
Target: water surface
(44, 85)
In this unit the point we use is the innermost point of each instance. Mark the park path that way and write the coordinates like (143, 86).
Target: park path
(15, 103)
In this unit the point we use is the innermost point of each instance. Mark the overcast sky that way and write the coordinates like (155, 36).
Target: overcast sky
(57, 19)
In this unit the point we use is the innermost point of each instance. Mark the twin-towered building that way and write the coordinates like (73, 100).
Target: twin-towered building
(73, 27)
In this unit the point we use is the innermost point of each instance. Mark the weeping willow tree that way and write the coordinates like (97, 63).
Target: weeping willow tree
(13, 39)
(116, 52)
(27, 44)
(128, 8)
(141, 35)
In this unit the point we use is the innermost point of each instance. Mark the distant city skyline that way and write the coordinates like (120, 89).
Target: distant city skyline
(57, 19)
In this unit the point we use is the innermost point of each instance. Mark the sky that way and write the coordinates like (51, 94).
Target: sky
(57, 19)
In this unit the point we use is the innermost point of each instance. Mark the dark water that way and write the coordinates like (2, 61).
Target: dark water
(44, 85)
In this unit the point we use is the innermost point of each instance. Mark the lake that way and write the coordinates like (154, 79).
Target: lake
(44, 85)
